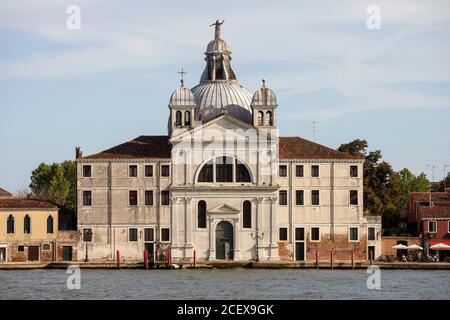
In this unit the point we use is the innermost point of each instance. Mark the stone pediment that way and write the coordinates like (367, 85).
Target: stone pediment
(224, 209)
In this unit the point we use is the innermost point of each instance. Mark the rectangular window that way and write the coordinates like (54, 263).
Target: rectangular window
(371, 233)
(283, 234)
(299, 197)
(283, 198)
(315, 197)
(149, 171)
(282, 171)
(314, 171)
(432, 226)
(87, 235)
(299, 234)
(165, 198)
(299, 171)
(354, 197)
(149, 235)
(165, 171)
(20, 248)
(132, 234)
(353, 171)
(133, 198)
(87, 198)
(315, 234)
(87, 171)
(354, 234)
(148, 197)
(133, 171)
(165, 234)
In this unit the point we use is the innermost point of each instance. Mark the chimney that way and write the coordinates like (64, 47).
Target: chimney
(78, 153)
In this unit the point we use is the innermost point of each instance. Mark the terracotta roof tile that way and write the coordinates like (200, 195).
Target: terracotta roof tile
(141, 147)
(435, 211)
(159, 147)
(26, 203)
(299, 148)
(4, 193)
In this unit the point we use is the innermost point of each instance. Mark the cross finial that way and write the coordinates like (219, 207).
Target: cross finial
(182, 72)
(217, 25)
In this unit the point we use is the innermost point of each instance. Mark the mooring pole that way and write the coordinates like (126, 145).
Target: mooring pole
(353, 259)
(146, 259)
(194, 259)
(170, 258)
(118, 259)
(317, 259)
(331, 259)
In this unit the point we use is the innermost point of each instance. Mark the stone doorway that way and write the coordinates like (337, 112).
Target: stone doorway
(224, 241)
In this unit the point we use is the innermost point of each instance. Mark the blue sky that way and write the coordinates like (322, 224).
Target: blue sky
(111, 80)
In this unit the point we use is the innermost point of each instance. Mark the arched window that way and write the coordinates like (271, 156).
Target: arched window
(247, 214)
(46, 247)
(187, 118)
(206, 174)
(224, 169)
(259, 118)
(27, 225)
(269, 118)
(178, 121)
(201, 214)
(242, 174)
(50, 224)
(10, 224)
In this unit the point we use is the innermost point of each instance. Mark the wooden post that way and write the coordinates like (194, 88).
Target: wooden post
(331, 259)
(169, 258)
(146, 259)
(118, 259)
(194, 259)
(353, 258)
(317, 259)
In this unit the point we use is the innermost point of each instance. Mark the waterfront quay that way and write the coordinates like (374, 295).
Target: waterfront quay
(219, 264)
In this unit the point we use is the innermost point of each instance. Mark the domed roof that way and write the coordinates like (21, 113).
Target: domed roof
(182, 97)
(218, 45)
(264, 97)
(212, 97)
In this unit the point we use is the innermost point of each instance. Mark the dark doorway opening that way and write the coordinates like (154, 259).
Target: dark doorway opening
(224, 241)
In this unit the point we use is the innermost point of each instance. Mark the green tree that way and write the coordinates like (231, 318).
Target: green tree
(55, 182)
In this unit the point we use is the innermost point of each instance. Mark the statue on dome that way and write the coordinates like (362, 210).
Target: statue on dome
(217, 31)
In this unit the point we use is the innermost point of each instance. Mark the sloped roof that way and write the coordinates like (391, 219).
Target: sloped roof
(435, 211)
(299, 148)
(142, 147)
(4, 193)
(148, 147)
(26, 203)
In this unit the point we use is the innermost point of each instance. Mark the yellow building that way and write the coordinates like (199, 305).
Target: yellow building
(28, 230)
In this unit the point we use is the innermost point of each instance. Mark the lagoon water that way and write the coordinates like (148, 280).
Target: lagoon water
(224, 284)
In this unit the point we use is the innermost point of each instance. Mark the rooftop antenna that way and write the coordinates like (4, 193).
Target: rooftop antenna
(314, 129)
(182, 72)
(433, 168)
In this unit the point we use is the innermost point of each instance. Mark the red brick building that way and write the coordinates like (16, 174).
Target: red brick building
(429, 214)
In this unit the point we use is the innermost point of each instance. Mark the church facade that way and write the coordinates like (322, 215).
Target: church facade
(223, 185)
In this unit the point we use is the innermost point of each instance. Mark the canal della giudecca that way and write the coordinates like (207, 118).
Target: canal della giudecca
(223, 284)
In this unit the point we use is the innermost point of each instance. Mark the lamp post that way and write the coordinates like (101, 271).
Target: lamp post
(257, 237)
